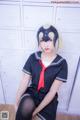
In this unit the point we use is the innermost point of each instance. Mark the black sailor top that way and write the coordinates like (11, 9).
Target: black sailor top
(57, 70)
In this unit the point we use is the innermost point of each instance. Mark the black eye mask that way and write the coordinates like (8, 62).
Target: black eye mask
(47, 34)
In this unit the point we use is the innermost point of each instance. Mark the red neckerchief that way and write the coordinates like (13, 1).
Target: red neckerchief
(41, 79)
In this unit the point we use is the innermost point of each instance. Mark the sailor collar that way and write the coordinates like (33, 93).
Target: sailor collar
(58, 60)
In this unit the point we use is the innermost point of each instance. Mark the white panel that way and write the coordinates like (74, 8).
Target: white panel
(64, 92)
(30, 40)
(1, 86)
(12, 63)
(9, 16)
(11, 76)
(71, 42)
(35, 16)
(10, 39)
(75, 100)
(68, 19)
(1, 92)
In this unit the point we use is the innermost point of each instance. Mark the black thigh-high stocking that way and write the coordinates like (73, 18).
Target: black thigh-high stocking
(25, 109)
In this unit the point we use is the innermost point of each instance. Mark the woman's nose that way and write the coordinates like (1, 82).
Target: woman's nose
(46, 43)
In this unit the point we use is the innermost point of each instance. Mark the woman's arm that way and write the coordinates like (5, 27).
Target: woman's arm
(49, 97)
(23, 86)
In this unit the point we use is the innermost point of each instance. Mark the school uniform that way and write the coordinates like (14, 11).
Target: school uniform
(57, 70)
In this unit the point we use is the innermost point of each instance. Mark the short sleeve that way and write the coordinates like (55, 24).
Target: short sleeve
(27, 67)
(63, 73)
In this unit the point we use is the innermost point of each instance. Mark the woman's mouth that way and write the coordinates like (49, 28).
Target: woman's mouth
(46, 49)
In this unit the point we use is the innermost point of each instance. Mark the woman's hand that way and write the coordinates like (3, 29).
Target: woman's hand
(15, 107)
(17, 103)
(49, 96)
(34, 113)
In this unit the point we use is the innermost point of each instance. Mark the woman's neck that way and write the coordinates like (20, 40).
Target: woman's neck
(50, 54)
(48, 58)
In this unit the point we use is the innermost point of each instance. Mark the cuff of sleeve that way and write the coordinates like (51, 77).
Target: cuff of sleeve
(25, 71)
(61, 79)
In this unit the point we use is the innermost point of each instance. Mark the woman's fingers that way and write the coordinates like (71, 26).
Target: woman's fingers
(15, 107)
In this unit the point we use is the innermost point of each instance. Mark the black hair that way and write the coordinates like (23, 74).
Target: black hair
(46, 31)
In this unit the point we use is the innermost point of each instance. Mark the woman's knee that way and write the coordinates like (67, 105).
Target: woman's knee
(26, 107)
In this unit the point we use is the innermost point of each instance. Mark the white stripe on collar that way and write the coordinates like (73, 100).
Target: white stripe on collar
(36, 55)
(56, 63)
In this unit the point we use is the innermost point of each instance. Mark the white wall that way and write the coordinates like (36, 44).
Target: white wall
(19, 21)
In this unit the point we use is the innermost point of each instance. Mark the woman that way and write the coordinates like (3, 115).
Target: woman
(46, 70)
